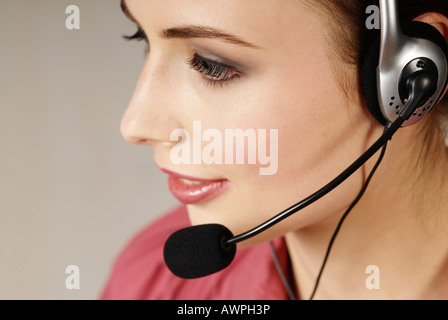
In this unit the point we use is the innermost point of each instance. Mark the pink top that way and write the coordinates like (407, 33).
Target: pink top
(140, 272)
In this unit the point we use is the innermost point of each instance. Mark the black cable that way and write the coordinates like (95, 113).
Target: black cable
(341, 221)
(387, 134)
(281, 273)
(419, 86)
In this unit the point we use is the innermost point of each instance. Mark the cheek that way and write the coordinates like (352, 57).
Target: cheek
(310, 135)
(300, 97)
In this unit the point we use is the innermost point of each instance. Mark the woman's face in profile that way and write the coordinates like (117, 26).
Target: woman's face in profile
(270, 70)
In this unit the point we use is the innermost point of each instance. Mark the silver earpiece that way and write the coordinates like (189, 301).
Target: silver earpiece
(399, 52)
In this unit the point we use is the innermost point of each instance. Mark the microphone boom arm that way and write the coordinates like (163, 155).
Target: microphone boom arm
(419, 87)
(388, 133)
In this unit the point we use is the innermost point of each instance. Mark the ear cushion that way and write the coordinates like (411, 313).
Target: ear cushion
(369, 82)
(414, 29)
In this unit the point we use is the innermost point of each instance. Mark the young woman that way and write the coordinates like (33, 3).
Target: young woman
(292, 68)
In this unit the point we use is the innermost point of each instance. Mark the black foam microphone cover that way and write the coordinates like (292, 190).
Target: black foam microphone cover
(199, 251)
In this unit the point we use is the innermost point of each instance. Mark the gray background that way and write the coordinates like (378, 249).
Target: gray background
(72, 191)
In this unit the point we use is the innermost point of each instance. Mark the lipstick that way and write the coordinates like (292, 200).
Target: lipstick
(191, 190)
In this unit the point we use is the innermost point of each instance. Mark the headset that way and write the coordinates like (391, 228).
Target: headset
(401, 52)
(403, 75)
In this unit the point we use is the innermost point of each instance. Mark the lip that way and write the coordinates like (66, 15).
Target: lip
(192, 190)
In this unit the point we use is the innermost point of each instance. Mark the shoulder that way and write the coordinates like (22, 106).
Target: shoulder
(140, 271)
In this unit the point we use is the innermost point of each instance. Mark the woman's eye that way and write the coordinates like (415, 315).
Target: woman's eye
(213, 71)
(139, 36)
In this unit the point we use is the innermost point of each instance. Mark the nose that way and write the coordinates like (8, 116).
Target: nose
(150, 117)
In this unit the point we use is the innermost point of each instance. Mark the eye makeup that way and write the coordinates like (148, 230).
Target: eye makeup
(212, 71)
(138, 36)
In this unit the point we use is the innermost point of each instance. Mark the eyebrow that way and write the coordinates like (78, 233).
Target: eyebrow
(192, 31)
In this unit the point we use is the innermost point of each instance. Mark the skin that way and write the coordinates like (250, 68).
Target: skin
(289, 82)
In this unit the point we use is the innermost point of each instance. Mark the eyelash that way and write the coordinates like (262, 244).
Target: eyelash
(138, 36)
(213, 72)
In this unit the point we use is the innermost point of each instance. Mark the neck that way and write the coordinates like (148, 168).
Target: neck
(400, 227)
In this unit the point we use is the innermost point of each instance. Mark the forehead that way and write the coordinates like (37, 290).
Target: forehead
(266, 22)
